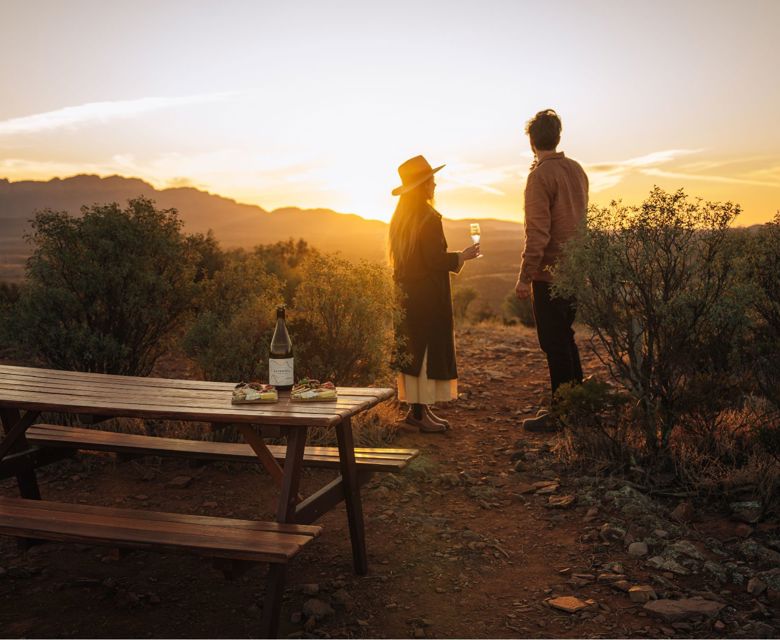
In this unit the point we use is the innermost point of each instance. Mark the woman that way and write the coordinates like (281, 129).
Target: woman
(421, 267)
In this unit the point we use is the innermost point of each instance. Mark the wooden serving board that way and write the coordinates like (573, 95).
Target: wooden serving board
(333, 399)
(257, 401)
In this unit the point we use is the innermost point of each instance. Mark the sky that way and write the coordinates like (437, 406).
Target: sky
(315, 103)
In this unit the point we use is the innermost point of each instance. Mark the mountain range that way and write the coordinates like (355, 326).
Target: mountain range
(243, 225)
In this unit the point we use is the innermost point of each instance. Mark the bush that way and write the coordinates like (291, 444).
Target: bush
(342, 322)
(106, 291)
(515, 309)
(763, 266)
(230, 337)
(462, 297)
(660, 287)
(597, 432)
(10, 292)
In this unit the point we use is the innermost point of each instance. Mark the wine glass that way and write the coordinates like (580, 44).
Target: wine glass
(475, 232)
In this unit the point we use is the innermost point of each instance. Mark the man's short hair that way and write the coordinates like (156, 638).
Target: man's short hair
(544, 129)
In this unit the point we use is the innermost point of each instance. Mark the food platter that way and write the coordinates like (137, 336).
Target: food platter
(309, 390)
(254, 393)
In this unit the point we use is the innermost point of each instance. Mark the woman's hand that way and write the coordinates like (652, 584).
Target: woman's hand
(469, 253)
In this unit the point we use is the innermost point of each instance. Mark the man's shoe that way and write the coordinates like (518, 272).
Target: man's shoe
(544, 423)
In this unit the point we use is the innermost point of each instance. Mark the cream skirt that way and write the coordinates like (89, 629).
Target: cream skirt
(423, 390)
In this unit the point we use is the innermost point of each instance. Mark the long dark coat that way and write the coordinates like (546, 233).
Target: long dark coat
(424, 279)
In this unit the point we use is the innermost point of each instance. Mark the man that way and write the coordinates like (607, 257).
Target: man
(556, 201)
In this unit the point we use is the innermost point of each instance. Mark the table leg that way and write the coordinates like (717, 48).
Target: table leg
(349, 473)
(293, 466)
(14, 426)
(272, 605)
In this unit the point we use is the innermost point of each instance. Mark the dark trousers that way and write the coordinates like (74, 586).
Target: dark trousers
(554, 318)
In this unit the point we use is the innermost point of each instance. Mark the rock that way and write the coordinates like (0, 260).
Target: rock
(611, 533)
(719, 626)
(569, 604)
(743, 530)
(667, 564)
(641, 594)
(561, 502)
(771, 578)
(296, 617)
(210, 504)
(621, 585)
(637, 549)
(685, 609)
(614, 567)
(756, 586)
(749, 512)
(685, 548)
(317, 609)
(661, 533)
(419, 632)
(683, 512)
(311, 589)
(180, 482)
(751, 550)
(546, 487)
(716, 570)
(591, 514)
(606, 578)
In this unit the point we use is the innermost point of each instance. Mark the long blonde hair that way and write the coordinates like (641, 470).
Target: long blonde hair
(412, 210)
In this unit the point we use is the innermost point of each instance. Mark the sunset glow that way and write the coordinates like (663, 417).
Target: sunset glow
(315, 104)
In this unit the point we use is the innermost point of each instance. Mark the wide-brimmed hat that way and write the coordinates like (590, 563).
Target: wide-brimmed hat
(413, 173)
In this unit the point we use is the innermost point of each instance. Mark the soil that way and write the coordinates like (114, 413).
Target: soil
(460, 544)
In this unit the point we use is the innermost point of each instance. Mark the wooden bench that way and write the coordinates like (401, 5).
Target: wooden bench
(224, 538)
(52, 435)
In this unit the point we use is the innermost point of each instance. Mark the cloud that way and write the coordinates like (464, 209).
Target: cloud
(605, 175)
(83, 114)
(708, 178)
(486, 179)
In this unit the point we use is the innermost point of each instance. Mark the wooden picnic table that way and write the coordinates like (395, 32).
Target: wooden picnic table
(26, 392)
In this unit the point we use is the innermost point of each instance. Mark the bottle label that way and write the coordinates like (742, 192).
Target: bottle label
(280, 371)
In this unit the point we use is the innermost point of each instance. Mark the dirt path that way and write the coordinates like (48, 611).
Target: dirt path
(460, 545)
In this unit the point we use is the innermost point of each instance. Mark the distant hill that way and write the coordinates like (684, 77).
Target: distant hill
(242, 225)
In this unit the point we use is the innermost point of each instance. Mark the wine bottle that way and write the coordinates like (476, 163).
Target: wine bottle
(280, 363)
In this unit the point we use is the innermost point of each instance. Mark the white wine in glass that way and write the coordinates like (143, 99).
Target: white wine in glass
(476, 233)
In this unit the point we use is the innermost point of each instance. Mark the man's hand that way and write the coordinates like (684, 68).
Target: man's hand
(522, 290)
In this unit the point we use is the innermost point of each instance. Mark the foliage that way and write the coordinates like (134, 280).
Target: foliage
(660, 287)
(518, 310)
(593, 414)
(342, 322)
(106, 291)
(283, 260)
(462, 297)
(763, 268)
(10, 292)
(229, 339)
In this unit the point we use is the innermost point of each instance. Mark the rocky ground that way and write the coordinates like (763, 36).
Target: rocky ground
(487, 534)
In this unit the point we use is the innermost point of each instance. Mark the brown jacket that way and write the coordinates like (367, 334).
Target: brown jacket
(427, 304)
(556, 201)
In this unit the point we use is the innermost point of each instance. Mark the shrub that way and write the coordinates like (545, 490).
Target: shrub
(230, 336)
(660, 288)
(342, 322)
(106, 291)
(763, 267)
(515, 309)
(597, 432)
(462, 297)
